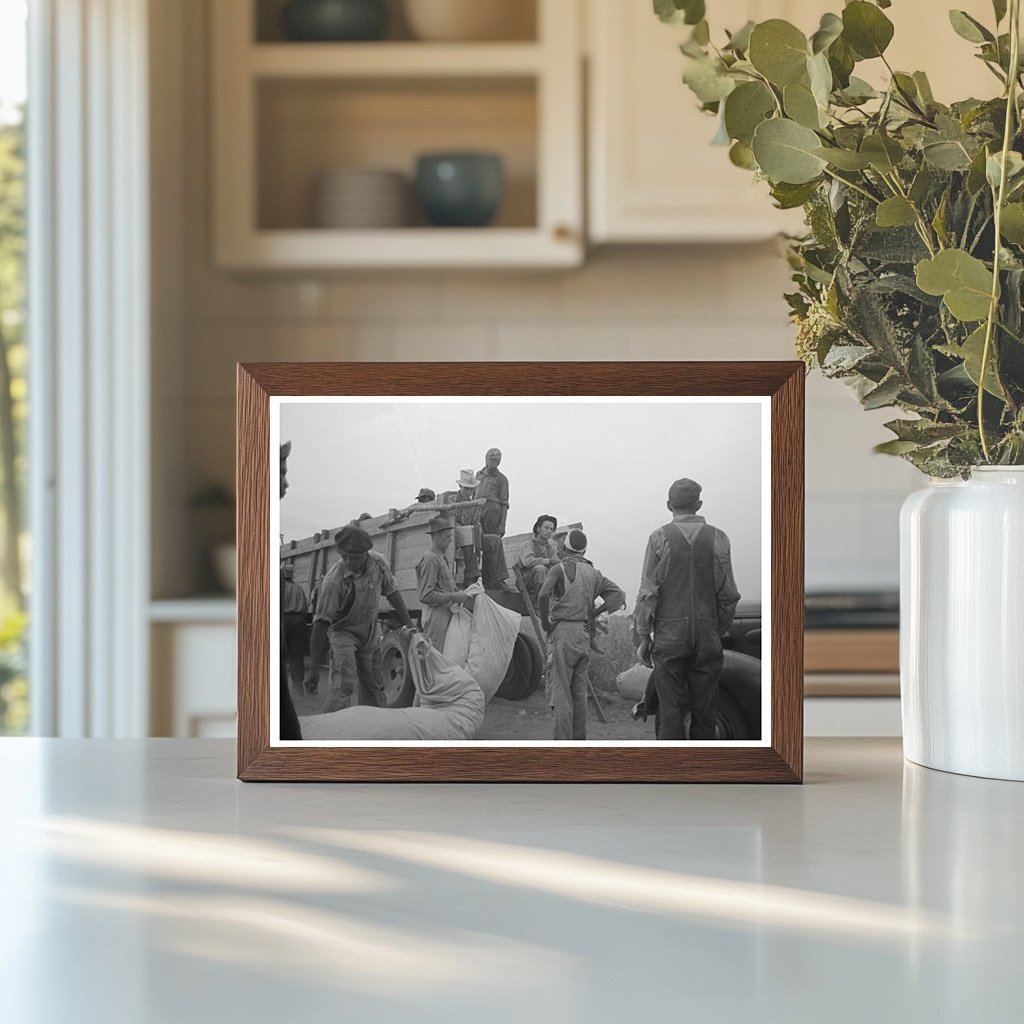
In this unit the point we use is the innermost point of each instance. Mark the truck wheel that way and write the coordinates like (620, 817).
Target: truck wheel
(741, 684)
(519, 678)
(399, 687)
(537, 676)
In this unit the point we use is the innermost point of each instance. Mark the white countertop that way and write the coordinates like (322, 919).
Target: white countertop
(144, 885)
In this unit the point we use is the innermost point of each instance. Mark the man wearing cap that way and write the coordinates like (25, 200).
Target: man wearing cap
(346, 616)
(566, 608)
(539, 553)
(470, 519)
(686, 604)
(293, 623)
(492, 484)
(436, 583)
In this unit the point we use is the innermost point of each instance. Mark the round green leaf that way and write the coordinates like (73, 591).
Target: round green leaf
(895, 212)
(779, 51)
(1011, 225)
(742, 156)
(844, 159)
(866, 29)
(963, 281)
(784, 151)
(746, 107)
(829, 30)
(882, 152)
(707, 80)
(967, 28)
(800, 105)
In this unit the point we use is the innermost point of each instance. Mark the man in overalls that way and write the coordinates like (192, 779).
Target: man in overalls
(346, 616)
(686, 604)
(567, 599)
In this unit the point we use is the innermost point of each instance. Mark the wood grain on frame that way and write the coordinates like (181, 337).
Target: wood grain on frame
(781, 762)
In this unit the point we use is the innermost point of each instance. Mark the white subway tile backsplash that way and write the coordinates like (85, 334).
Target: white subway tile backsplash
(412, 296)
(718, 302)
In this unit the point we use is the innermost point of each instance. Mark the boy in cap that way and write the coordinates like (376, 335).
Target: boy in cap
(346, 616)
(686, 604)
(539, 553)
(436, 582)
(566, 607)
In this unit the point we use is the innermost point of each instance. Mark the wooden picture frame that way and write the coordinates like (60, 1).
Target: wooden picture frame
(779, 758)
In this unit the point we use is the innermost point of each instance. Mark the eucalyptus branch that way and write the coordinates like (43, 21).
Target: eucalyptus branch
(855, 187)
(993, 308)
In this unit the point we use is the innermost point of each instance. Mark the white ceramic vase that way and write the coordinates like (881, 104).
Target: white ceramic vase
(962, 624)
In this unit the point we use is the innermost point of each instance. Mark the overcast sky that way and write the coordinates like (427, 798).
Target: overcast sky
(607, 465)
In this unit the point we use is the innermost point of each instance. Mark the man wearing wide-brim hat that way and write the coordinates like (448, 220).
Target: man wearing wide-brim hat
(435, 581)
(468, 521)
(686, 603)
(346, 617)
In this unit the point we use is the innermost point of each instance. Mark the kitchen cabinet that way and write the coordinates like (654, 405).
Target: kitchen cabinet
(287, 113)
(653, 175)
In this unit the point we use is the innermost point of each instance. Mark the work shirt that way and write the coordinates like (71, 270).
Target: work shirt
(293, 598)
(350, 600)
(658, 565)
(492, 484)
(537, 552)
(435, 580)
(575, 602)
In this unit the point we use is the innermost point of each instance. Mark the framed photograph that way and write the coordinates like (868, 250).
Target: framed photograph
(520, 572)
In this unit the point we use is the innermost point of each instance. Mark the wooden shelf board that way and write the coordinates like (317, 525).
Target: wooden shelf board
(393, 60)
(402, 247)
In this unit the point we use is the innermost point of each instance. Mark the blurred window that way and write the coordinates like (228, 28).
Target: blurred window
(14, 546)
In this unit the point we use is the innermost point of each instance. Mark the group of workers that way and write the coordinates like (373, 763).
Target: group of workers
(686, 604)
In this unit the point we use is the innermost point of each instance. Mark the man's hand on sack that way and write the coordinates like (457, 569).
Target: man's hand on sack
(644, 652)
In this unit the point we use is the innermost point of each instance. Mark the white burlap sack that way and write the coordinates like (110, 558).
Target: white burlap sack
(490, 644)
(451, 706)
(456, 640)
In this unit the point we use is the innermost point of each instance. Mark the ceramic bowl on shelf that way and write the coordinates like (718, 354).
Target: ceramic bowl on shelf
(361, 198)
(460, 189)
(471, 20)
(334, 21)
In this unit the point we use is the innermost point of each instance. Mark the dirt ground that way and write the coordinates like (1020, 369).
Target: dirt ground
(530, 719)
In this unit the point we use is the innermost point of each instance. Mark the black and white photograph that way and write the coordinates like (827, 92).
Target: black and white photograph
(520, 571)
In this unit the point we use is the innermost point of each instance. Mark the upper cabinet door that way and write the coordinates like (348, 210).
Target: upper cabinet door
(654, 175)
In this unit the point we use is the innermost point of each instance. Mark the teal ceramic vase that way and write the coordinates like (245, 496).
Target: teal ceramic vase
(333, 21)
(461, 190)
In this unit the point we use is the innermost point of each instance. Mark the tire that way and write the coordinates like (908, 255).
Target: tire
(519, 679)
(537, 676)
(399, 686)
(741, 684)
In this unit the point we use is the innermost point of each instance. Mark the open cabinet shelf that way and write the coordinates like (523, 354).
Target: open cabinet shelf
(288, 114)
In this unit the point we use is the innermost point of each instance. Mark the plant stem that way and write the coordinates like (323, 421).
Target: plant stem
(850, 184)
(993, 309)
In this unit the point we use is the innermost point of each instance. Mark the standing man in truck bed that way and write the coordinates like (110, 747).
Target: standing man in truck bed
(492, 484)
(686, 604)
(346, 617)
